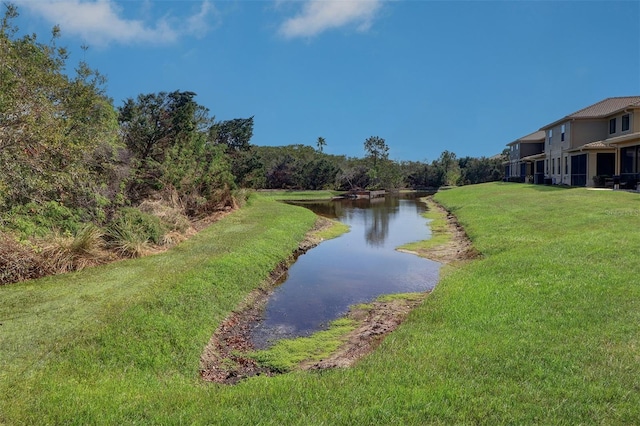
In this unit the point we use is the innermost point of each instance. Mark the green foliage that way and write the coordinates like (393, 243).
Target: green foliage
(422, 175)
(450, 168)
(480, 170)
(248, 169)
(298, 167)
(541, 330)
(287, 354)
(33, 219)
(49, 123)
(321, 143)
(132, 230)
(169, 135)
(355, 175)
(376, 149)
(234, 134)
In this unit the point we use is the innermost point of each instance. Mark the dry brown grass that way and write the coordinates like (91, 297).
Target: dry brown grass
(67, 254)
(20, 261)
(25, 260)
(170, 213)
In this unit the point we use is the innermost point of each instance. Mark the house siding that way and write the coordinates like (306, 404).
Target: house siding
(589, 131)
(579, 140)
(555, 148)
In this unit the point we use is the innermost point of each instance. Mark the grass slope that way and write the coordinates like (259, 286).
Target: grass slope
(545, 328)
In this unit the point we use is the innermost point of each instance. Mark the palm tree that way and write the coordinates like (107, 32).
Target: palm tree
(321, 143)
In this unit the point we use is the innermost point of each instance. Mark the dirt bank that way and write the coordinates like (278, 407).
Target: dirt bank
(223, 362)
(459, 247)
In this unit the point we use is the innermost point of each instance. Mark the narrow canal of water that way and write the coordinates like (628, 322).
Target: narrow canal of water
(355, 268)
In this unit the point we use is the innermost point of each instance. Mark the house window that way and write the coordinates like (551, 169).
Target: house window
(562, 133)
(625, 122)
(553, 165)
(558, 166)
(566, 165)
(629, 160)
(546, 166)
(550, 135)
(612, 126)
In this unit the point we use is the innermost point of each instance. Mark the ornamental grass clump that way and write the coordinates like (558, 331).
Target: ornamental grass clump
(74, 253)
(133, 232)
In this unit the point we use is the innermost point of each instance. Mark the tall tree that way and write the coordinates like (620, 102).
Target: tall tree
(50, 123)
(235, 134)
(376, 149)
(321, 143)
(169, 135)
(450, 167)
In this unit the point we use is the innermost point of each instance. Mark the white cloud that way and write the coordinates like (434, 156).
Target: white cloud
(199, 24)
(101, 22)
(321, 15)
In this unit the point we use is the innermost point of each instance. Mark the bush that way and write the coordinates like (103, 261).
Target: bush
(172, 217)
(132, 231)
(34, 219)
(20, 261)
(66, 254)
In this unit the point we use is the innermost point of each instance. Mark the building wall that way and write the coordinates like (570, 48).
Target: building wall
(584, 132)
(619, 131)
(527, 149)
(554, 149)
(514, 159)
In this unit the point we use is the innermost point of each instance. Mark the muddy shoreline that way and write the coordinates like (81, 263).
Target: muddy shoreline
(223, 361)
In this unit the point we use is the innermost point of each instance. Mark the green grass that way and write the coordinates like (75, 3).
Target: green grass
(334, 231)
(437, 226)
(287, 354)
(543, 329)
(278, 194)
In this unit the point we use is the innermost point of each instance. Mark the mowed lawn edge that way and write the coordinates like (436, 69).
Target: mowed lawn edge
(547, 324)
(152, 315)
(542, 329)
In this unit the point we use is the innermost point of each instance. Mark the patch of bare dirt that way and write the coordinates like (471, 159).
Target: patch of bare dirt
(376, 321)
(458, 249)
(223, 360)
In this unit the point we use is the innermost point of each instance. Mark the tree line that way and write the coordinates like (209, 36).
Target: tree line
(70, 158)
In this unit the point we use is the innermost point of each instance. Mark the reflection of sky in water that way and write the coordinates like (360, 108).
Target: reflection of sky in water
(354, 268)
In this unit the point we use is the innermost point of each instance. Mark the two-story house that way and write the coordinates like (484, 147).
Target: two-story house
(522, 156)
(624, 136)
(583, 148)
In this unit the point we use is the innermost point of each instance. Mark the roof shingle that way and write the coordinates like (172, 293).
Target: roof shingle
(607, 107)
(601, 109)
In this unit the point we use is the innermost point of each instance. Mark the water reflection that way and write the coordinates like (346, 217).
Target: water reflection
(355, 268)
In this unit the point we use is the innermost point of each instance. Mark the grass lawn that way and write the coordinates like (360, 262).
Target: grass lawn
(544, 328)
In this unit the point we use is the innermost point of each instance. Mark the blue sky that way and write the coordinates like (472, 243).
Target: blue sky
(465, 76)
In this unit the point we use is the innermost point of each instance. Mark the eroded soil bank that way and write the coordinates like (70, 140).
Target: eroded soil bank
(224, 359)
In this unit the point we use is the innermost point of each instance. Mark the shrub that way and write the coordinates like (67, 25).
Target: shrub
(66, 254)
(132, 231)
(33, 219)
(172, 217)
(19, 261)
